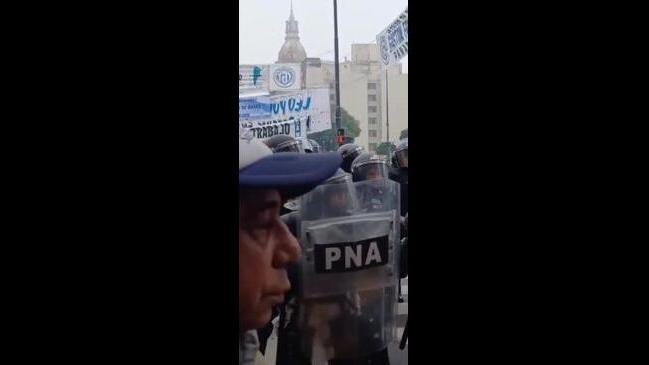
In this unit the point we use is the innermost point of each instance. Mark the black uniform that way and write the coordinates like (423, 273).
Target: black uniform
(399, 172)
(401, 176)
(290, 336)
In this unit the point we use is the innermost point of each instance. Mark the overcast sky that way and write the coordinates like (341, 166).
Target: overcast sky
(262, 26)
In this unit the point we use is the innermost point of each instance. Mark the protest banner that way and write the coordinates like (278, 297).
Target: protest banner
(296, 113)
(393, 40)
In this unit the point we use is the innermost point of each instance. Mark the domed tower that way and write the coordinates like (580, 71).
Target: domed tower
(292, 51)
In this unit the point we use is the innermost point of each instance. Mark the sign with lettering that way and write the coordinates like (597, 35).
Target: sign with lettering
(308, 110)
(393, 40)
(253, 78)
(291, 126)
(351, 256)
(254, 108)
(285, 76)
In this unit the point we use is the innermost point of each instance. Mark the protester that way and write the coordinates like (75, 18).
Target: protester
(266, 246)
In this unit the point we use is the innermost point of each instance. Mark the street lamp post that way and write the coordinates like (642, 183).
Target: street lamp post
(337, 67)
(387, 108)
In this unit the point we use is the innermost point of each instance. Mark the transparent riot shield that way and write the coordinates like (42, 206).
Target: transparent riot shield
(349, 235)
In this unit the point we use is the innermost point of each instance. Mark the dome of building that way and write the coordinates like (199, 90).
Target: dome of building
(292, 51)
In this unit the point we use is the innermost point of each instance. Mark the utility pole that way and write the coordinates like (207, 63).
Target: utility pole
(337, 72)
(387, 107)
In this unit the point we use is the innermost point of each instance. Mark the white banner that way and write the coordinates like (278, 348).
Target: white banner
(296, 114)
(285, 76)
(253, 78)
(393, 40)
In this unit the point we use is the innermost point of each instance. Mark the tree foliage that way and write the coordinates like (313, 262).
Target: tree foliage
(385, 148)
(327, 138)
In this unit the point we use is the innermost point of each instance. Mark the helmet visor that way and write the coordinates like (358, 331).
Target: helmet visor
(353, 153)
(402, 158)
(305, 146)
(315, 146)
(371, 171)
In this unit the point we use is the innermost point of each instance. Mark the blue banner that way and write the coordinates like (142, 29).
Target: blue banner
(253, 109)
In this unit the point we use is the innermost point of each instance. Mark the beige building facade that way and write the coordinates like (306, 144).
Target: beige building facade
(363, 94)
(362, 87)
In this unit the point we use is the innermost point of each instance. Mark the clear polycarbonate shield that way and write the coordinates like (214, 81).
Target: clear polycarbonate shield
(349, 268)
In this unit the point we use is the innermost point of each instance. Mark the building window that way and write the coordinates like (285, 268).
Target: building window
(372, 133)
(371, 97)
(372, 146)
(371, 109)
(372, 120)
(371, 86)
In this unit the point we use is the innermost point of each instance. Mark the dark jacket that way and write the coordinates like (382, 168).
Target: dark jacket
(401, 176)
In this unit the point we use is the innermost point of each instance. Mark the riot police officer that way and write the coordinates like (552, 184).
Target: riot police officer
(400, 154)
(289, 349)
(347, 283)
(349, 152)
(305, 144)
(315, 145)
(283, 143)
(399, 172)
(367, 167)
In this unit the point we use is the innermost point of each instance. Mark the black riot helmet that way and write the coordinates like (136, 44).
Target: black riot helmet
(400, 155)
(349, 152)
(283, 143)
(369, 167)
(315, 145)
(334, 197)
(305, 144)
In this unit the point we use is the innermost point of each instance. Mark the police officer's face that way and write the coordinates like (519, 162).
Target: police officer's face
(338, 199)
(373, 174)
(266, 246)
(403, 158)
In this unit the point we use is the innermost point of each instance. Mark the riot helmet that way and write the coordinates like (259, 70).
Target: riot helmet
(400, 155)
(315, 145)
(340, 197)
(334, 197)
(369, 167)
(349, 152)
(305, 144)
(283, 143)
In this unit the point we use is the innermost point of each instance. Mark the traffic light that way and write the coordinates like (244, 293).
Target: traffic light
(340, 136)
